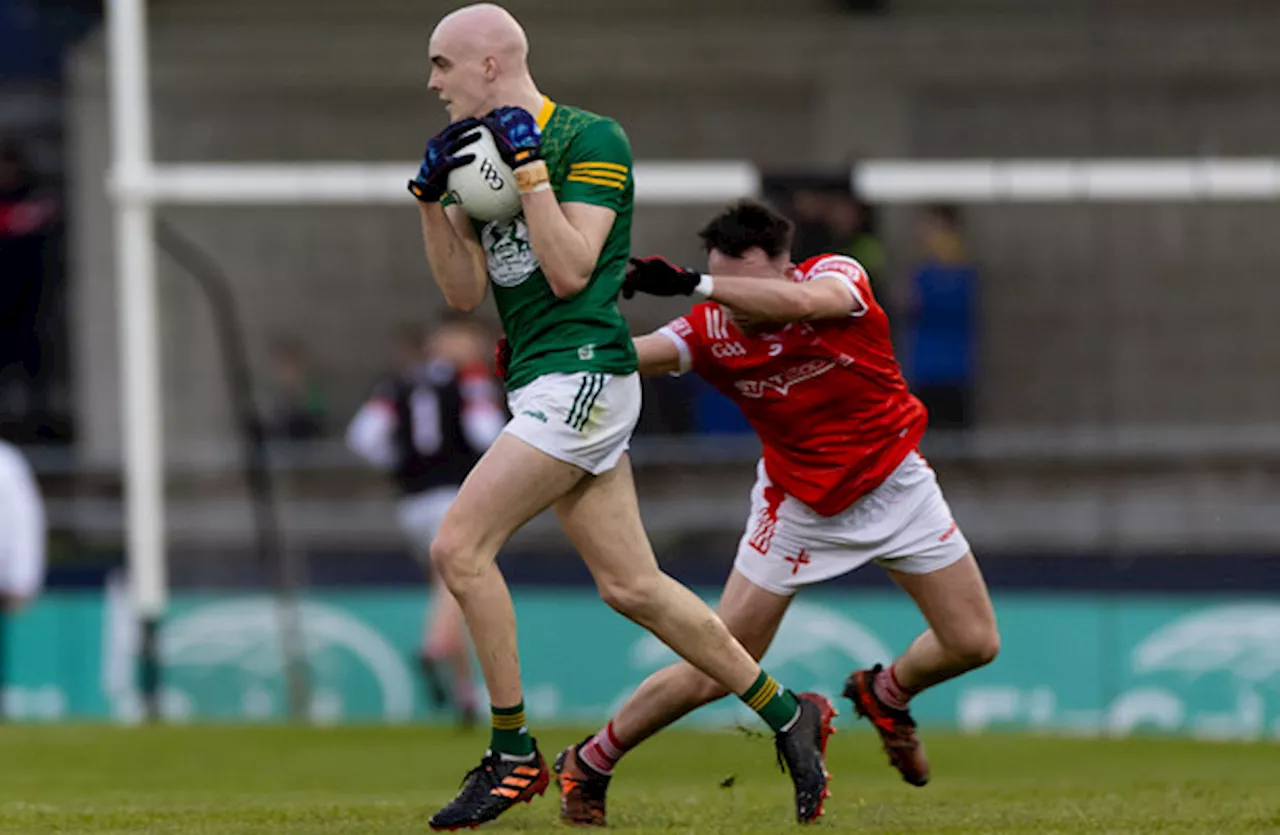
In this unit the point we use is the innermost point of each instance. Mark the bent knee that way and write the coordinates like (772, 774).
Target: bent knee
(635, 597)
(454, 562)
(978, 647)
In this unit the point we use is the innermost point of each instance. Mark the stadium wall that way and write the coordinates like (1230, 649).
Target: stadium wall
(1197, 664)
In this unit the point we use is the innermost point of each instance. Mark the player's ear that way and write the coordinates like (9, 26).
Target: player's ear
(490, 68)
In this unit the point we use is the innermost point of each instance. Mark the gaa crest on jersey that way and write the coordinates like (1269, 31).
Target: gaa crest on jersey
(507, 251)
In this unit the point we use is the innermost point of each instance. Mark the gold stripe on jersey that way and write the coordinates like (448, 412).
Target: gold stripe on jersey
(580, 178)
(616, 167)
(602, 175)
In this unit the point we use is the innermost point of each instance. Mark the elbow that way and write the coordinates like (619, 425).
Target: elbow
(801, 309)
(567, 284)
(463, 304)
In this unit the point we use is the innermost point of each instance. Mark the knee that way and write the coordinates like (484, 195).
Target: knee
(454, 563)
(634, 597)
(978, 647)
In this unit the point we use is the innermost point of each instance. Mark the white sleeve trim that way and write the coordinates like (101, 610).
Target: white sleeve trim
(682, 347)
(859, 303)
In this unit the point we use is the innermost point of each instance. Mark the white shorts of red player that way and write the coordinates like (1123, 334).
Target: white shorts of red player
(904, 524)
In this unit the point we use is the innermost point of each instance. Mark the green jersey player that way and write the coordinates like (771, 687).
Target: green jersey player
(574, 395)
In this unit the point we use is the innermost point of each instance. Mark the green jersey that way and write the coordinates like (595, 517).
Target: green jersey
(589, 160)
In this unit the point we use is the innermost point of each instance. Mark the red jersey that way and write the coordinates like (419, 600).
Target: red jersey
(827, 398)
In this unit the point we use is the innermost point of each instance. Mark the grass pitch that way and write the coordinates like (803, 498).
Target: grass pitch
(378, 781)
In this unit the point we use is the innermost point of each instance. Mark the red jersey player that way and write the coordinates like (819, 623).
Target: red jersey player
(805, 353)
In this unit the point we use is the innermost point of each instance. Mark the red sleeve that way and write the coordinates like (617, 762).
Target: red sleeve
(684, 332)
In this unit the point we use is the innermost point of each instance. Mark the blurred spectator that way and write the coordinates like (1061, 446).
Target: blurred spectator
(22, 546)
(427, 425)
(810, 209)
(852, 225)
(942, 321)
(27, 215)
(22, 531)
(298, 404)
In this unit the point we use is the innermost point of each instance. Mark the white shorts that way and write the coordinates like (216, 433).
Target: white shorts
(420, 516)
(585, 418)
(904, 524)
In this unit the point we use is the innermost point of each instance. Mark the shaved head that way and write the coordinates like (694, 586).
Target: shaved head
(487, 29)
(480, 60)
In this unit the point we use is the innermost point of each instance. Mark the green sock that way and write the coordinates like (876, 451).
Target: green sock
(509, 734)
(775, 704)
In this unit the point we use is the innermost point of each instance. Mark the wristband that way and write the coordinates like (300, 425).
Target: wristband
(705, 287)
(533, 177)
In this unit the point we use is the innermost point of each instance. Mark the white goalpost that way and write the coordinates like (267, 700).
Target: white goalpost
(137, 185)
(129, 93)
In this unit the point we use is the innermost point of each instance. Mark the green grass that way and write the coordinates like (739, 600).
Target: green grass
(374, 781)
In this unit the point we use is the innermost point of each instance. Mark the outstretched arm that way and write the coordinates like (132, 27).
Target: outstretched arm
(831, 295)
(784, 301)
(658, 355)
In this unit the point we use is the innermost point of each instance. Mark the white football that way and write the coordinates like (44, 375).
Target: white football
(485, 187)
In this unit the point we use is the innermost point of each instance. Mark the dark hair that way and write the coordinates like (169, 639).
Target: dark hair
(947, 213)
(746, 224)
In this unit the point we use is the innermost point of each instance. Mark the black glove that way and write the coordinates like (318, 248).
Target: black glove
(441, 157)
(657, 276)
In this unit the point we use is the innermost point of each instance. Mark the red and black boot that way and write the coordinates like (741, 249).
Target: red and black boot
(582, 789)
(896, 727)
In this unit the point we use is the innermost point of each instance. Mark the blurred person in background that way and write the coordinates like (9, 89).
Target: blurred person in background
(804, 351)
(27, 214)
(852, 225)
(298, 405)
(22, 531)
(22, 544)
(427, 425)
(810, 210)
(942, 320)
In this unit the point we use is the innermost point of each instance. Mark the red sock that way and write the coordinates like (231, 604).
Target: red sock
(603, 750)
(889, 691)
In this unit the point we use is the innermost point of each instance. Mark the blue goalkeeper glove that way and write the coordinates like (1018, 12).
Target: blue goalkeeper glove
(441, 157)
(516, 133)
